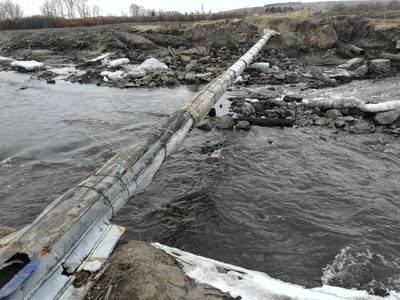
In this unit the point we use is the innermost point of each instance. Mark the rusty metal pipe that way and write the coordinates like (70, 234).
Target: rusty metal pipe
(357, 50)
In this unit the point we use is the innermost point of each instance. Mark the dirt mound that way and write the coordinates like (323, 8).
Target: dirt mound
(138, 271)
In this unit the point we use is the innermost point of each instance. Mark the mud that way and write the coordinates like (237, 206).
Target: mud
(139, 271)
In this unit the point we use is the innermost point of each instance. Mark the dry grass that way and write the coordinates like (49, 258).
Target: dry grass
(265, 20)
(148, 27)
(388, 24)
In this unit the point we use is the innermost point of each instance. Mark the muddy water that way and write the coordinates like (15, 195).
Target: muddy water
(304, 205)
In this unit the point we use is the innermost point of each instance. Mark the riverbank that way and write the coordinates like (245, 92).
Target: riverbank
(195, 53)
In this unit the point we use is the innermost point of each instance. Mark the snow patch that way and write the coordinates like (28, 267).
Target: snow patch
(384, 106)
(118, 62)
(152, 65)
(115, 76)
(30, 65)
(135, 71)
(101, 57)
(253, 285)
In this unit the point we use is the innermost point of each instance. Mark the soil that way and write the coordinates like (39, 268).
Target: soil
(138, 271)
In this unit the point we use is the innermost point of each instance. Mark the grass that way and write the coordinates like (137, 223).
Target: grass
(388, 24)
(265, 20)
(147, 27)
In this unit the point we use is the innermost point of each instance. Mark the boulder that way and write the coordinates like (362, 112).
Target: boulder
(362, 70)
(293, 98)
(387, 118)
(204, 77)
(206, 125)
(192, 66)
(260, 66)
(380, 65)
(51, 81)
(362, 127)
(243, 125)
(152, 84)
(349, 119)
(340, 123)
(333, 114)
(190, 77)
(321, 121)
(225, 122)
(248, 109)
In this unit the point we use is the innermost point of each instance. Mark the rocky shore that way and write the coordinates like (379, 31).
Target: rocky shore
(311, 53)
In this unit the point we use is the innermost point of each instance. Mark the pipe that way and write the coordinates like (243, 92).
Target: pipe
(357, 50)
(67, 223)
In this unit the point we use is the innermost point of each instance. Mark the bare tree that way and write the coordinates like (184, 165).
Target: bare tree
(83, 8)
(10, 10)
(95, 11)
(137, 10)
(70, 8)
(53, 8)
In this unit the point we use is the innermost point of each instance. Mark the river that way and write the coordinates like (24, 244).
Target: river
(307, 206)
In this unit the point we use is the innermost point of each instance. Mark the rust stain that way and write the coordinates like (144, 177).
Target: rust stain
(95, 259)
(46, 250)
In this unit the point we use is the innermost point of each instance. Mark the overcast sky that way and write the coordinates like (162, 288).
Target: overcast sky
(116, 6)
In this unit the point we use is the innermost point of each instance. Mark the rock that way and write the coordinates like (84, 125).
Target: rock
(51, 81)
(260, 66)
(361, 71)
(275, 69)
(362, 127)
(305, 123)
(225, 122)
(130, 85)
(243, 125)
(352, 63)
(258, 107)
(206, 125)
(396, 131)
(282, 112)
(248, 109)
(333, 114)
(280, 76)
(185, 58)
(204, 77)
(204, 60)
(293, 98)
(321, 121)
(380, 65)
(192, 66)
(387, 118)
(340, 123)
(152, 84)
(190, 77)
(349, 119)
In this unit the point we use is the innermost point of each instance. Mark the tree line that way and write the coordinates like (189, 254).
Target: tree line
(367, 6)
(10, 10)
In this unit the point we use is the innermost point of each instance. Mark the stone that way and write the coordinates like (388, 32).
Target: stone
(260, 66)
(380, 65)
(152, 84)
(281, 112)
(321, 121)
(185, 58)
(204, 60)
(225, 122)
(51, 81)
(396, 131)
(275, 69)
(192, 66)
(333, 114)
(190, 77)
(361, 71)
(204, 77)
(130, 85)
(340, 123)
(362, 127)
(206, 125)
(248, 109)
(293, 98)
(349, 119)
(280, 76)
(258, 107)
(387, 118)
(243, 125)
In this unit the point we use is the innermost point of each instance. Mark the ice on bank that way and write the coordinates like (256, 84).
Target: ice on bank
(153, 65)
(5, 60)
(253, 285)
(100, 58)
(29, 65)
(112, 76)
(118, 62)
